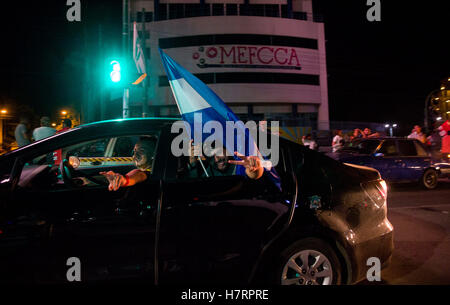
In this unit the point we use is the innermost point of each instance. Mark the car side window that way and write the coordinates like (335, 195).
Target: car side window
(95, 148)
(210, 165)
(421, 152)
(407, 148)
(87, 159)
(388, 148)
(123, 146)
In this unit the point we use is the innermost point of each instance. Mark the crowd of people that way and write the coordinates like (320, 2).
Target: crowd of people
(340, 138)
(437, 139)
(25, 136)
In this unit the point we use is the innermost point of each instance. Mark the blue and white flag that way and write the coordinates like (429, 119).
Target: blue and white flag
(193, 97)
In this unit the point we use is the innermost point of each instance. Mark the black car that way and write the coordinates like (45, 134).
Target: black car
(320, 228)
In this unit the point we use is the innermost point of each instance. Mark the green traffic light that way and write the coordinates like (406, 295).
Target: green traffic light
(115, 74)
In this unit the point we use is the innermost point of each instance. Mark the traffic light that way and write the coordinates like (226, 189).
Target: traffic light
(116, 71)
(121, 74)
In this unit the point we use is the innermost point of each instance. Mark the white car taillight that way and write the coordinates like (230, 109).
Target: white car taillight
(376, 191)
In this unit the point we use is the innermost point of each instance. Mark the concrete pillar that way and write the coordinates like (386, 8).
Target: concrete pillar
(323, 120)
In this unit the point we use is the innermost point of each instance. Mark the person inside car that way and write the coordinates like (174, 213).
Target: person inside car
(221, 164)
(143, 153)
(367, 133)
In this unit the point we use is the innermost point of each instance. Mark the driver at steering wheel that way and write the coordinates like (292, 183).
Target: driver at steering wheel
(143, 153)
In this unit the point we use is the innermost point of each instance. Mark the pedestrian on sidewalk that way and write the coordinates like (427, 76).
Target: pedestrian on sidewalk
(338, 141)
(44, 131)
(21, 132)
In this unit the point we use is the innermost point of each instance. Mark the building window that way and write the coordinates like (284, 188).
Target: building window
(148, 16)
(246, 39)
(252, 78)
(256, 10)
(138, 17)
(162, 11)
(284, 11)
(218, 9)
(197, 10)
(232, 9)
(272, 10)
(299, 15)
(176, 11)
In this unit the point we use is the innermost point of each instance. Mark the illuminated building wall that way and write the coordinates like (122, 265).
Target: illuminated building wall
(264, 58)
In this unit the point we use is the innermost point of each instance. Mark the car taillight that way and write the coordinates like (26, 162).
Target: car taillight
(376, 191)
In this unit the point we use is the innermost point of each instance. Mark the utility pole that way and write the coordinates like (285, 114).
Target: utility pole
(125, 54)
(101, 85)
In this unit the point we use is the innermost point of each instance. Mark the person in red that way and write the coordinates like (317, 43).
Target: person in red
(444, 132)
(57, 155)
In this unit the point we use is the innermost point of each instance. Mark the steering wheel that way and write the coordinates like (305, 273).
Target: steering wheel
(67, 173)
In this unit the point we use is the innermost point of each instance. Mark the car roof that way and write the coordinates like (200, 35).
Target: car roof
(102, 128)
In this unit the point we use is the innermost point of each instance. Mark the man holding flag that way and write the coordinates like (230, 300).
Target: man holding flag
(196, 100)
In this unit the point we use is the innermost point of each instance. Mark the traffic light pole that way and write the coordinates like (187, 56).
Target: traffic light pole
(145, 82)
(125, 53)
(126, 103)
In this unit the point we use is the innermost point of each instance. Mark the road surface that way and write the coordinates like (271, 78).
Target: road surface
(421, 221)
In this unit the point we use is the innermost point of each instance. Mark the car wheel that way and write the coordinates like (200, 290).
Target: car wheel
(430, 179)
(309, 261)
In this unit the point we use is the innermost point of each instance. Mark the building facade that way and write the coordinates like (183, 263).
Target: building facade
(265, 58)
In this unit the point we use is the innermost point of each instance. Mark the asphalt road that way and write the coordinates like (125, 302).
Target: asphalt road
(421, 221)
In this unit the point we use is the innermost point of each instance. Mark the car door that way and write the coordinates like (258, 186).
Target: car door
(111, 233)
(414, 160)
(213, 229)
(387, 160)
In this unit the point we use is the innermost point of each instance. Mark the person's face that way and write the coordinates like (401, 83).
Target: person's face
(140, 157)
(366, 131)
(221, 162)
(417, 128)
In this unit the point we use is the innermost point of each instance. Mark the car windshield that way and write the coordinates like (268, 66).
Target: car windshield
(361, 146)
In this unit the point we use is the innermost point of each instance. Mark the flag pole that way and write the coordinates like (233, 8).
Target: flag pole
(204, 169)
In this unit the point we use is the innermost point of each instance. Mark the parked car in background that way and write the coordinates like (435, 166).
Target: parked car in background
(397, 160)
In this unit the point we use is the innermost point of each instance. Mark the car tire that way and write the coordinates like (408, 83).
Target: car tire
(429, 179)
(322, 267)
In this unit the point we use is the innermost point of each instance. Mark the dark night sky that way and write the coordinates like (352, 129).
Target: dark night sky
(379, 71)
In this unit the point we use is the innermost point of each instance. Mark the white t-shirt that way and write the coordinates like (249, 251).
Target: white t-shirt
(337, 142)
(19, 134)
(310, 143)
(43, 132)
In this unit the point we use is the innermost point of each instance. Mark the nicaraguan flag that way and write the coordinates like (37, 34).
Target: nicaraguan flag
(193, 97)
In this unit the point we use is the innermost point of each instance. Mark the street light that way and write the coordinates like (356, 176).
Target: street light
(3, 111)
(64, 112)
(391, 128)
